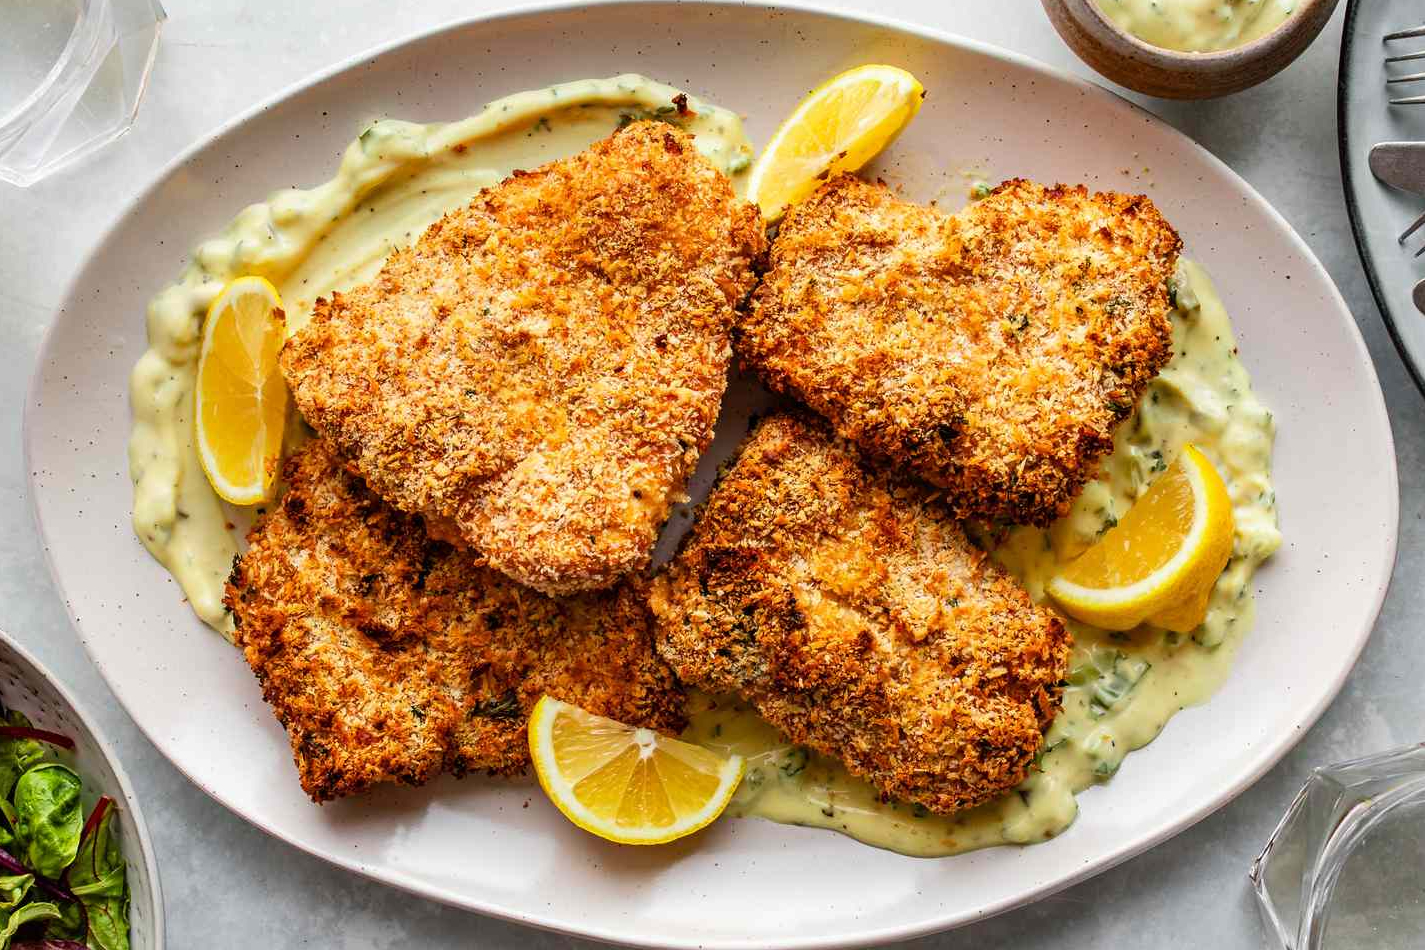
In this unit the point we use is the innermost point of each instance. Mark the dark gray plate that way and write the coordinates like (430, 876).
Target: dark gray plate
(1380, 213)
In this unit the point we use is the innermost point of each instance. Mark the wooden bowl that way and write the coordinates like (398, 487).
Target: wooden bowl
(1130, 62)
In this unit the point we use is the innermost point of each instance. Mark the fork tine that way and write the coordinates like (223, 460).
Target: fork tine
(1413, 228)
(1405, 58)
(1413, 77)
(1405, 34)
(1408, 101)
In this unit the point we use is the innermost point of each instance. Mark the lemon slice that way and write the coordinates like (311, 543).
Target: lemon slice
(628, 785)
(240, 400)
(840, 126)
(1160, 562)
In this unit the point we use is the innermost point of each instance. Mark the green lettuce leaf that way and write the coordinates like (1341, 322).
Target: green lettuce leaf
(29, 913)
(49, 818)
(13, 888)
(97, 877)
(17, 756)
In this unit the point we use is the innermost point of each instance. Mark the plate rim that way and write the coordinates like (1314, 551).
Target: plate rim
(1415, 368)
(1269, 754)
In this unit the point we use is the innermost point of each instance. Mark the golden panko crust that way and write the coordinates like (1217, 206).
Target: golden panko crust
(539, 373)
(849, 607)
(389, 657)
(992, 351)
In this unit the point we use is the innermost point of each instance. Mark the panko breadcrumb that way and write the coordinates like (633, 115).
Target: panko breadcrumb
(992, 351)
(851, 610)
(389, 657)
(539, 373)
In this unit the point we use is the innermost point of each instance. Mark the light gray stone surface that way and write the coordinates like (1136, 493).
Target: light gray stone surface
(229, 885)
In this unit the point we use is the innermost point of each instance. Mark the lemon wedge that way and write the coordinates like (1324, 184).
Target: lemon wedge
(1161, 561)
(628, 785)
(840, 126)
(240, 400)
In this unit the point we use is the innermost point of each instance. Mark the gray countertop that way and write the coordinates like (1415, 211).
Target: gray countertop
(229, 885)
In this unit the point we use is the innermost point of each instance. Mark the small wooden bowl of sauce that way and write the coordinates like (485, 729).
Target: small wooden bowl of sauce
(1188, 49)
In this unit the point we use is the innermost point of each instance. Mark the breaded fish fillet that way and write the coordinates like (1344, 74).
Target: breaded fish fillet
(539, 373)
(992, 351)
(391, 657)
(851, 610)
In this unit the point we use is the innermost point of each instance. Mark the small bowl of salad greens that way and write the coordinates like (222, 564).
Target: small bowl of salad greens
(76, 863)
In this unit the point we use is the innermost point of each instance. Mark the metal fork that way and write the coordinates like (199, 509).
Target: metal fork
(1419, 222)
(1406, 57)
(1415, 225)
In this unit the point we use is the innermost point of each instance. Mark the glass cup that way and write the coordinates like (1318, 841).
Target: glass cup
(1346, 866)
(72, 73)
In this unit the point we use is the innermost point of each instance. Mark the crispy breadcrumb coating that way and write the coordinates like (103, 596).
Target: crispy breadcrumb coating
(992, 351)
(538, 375)
(851, 610)
(391, 657)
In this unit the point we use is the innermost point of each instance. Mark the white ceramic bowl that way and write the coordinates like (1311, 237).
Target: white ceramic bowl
(26, 686)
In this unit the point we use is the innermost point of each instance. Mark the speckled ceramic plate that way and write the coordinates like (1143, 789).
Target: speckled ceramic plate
(1378, 212)
(27, 686)
(743, 883)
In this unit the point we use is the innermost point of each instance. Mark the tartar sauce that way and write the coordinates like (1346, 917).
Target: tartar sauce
(1197, 26)
(394, 180)
(1123, 687)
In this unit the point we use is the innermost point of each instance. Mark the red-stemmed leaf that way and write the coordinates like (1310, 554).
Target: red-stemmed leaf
(40, 735)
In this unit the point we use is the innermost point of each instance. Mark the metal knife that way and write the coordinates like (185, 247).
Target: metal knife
(1400, 165)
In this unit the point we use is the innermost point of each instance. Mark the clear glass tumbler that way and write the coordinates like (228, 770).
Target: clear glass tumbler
(72, 73)
(1346, 866)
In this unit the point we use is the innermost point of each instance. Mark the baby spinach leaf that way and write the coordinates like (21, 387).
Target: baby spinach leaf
(97, 878)
(13, 888)
(27, 914)
(7, 823)
(72, 923)
(17, 754)
(48, 818)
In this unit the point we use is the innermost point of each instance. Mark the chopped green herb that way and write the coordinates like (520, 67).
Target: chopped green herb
(795, 761)
(1110, 675)
(501, 707)
(669, 114)
(1044, 751)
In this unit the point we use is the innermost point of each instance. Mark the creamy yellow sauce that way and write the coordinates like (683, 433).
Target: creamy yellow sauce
(394, 180)
(1197, 26)
(1123, 688)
